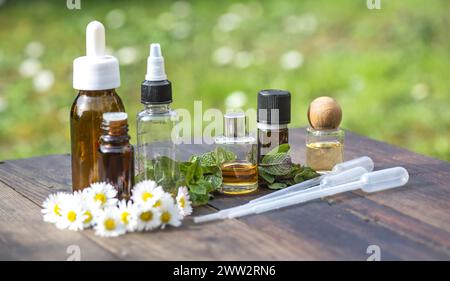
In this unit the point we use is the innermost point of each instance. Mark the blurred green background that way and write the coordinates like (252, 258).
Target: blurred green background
(388, 68)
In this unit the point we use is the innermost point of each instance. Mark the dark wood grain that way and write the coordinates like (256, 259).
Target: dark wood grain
(24, 235)
(411, 222)
(227, 240)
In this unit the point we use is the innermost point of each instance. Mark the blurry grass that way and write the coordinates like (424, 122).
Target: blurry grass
(388, 68)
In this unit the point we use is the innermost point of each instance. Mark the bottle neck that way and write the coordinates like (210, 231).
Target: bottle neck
(98, 93)
(115, 133)
(157, 108)
(265, 126)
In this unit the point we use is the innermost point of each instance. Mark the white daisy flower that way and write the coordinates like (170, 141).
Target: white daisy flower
(72, 214)
(89, 218)
(147, 217)
(146, 193)
(100, 195)
(183, 202)
(108, 223)
(88, 212)
(164, 200)
(169, 215)
(127, 216)
(52, 206)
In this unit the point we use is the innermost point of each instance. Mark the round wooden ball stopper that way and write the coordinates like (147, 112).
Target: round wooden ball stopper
(324, 113)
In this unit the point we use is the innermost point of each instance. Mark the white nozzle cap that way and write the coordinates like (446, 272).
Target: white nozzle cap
(95, 71)
(155, 64)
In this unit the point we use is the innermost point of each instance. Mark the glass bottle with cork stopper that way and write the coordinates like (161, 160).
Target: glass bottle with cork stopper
(273, 117)
(116, 154)
(324, 138)
(239, 171)
(96, 76)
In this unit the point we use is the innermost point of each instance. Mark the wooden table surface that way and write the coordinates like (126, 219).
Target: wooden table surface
(407, 223)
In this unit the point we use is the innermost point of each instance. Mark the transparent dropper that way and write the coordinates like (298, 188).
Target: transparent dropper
(369, 182)
(326, 182)
(364, 162)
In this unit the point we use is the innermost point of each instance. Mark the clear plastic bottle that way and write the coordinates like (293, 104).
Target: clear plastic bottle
(155, 144)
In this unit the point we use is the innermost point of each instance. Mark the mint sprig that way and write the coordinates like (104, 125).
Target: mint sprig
(203, 176)
(277, 171)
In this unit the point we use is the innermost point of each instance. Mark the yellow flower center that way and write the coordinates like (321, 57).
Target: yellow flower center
(100, 197)
(182, 202)
(57, 210)
(146, 196)
(71, 216)
(157, 204)
(88, 218)
(165, 217)
(109, 224)
(146, 216)
(124, 217)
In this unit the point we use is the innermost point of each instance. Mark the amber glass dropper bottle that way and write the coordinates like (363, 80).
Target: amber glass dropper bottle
(95, 75)
(116, 159)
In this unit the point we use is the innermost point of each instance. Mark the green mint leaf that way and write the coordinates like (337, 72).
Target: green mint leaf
(265, 175)
(277, 185)
(282, 148)
(208, 159)
(206, 184)
(198, 199)
(194, 171)
(223, 155)
(278, 164)
(277, 158)
(215, 181)
(198, 189)
(298, 178)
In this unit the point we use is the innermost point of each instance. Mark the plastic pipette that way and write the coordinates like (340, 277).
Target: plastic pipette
(369, 182)
(365, 162)
(327, 181)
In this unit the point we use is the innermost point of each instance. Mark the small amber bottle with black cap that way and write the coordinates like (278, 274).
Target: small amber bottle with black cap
(116, 154)
(274, 116)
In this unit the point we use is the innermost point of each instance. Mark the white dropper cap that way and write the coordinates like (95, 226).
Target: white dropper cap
(95, 71)
(155, 64)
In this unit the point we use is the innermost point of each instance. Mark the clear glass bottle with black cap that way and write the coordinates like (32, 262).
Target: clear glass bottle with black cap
(273, 117)
(155, 143)
(239, 170)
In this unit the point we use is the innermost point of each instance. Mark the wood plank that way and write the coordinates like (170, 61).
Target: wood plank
(340, 231)
(306, 248)
(229, 240)
(339, 228)
(405, 228)
(24, 235)
(427, 196)
(424, 201)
